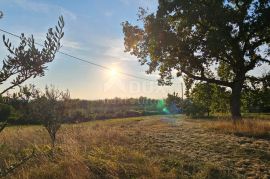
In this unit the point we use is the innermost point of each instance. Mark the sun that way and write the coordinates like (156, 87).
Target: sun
(113, 72)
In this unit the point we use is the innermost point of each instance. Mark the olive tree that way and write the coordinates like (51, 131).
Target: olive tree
(50, 109)
(216, 42)
(26, 61)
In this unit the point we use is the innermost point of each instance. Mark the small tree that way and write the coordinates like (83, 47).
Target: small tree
(210, 98)
(174, 103)
(50, 109)
(201, 95)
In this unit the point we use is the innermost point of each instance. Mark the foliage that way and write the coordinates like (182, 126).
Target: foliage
(26, 60)
(193, 109)
(50, 109)
(174, 103)
(206, 98)
(210, 98)
(256, 100)
(220, 99)
(7, 113)
(192, 36)
(84, 110)
(201, 95)
(256, 96)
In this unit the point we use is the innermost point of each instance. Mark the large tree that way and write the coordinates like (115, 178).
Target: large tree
(216, 41)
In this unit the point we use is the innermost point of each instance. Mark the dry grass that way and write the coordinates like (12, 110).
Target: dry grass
(246, 127)
(90, 150)
(142, 147)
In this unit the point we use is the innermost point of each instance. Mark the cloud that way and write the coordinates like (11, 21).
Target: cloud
(68, 14)
(115, 50)
(44, 8)
(71, 44)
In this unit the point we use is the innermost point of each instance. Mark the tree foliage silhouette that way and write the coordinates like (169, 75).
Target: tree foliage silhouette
(51, 107)
(194, 36)
(26, 60)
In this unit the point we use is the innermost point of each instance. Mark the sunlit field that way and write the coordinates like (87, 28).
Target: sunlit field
(170, 146)
(127, 89)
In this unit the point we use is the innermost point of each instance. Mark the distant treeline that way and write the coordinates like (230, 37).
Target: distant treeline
(86, 110)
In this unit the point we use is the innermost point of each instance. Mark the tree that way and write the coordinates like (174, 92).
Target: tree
(174, 103)
(26, 60)
(5, 113)
(20, 101)
(194, 36)
(202, 96)
(256, 98)
(210, 98)
(220, 99)
(50, 108)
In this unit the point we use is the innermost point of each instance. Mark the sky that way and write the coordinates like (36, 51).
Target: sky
(93, 32)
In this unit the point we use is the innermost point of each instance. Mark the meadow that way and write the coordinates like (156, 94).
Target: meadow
(164, 146)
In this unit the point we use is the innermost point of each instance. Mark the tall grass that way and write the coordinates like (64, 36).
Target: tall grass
(119, 148)
(90, 150)
(247, 127)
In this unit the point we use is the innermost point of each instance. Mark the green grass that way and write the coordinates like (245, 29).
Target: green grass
(138, 147)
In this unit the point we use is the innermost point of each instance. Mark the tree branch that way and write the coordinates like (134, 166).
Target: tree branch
(10, 169)
(209, 80)
(15, 84)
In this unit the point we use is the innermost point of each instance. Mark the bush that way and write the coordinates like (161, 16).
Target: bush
(192, 109)
(7, 114)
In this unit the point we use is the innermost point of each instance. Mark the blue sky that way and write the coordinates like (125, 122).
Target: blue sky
(93, 31)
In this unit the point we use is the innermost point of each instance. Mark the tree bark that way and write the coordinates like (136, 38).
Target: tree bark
(236, 100)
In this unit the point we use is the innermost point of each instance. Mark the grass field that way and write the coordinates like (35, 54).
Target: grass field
(141, 147)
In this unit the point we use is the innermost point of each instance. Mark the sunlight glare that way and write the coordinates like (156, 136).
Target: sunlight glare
(113, 72)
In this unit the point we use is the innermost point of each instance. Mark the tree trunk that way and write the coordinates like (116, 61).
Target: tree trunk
(236, 100)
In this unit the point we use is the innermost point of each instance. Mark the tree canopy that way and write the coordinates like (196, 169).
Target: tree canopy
(213, 41)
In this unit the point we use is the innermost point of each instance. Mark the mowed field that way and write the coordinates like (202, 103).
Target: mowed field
(141, 147)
